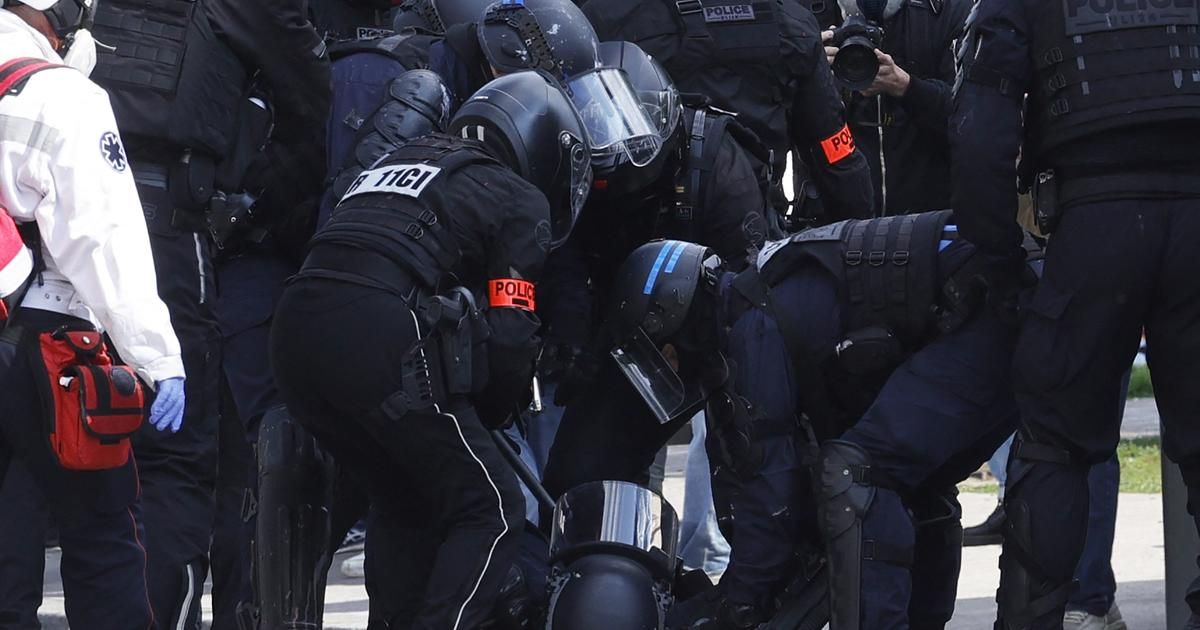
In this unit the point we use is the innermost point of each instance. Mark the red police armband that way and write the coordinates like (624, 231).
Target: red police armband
(511, 293)
(839, 146)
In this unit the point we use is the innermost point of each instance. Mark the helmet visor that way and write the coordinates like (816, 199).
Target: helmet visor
(655, 380)
(613, 116)
(577, 194)
(616, 513)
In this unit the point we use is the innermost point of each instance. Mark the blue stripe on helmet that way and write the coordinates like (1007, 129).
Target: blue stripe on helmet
(652, 278)
(675, 258)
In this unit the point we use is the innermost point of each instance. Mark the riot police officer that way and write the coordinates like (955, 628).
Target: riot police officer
(427, 274)
(765, 62)
(1109, 114)
(702, 186)
(865, 327)
(209, 175)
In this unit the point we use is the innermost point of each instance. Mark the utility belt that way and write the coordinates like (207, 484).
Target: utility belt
(449, 358)
(1056, 189)
(90, 406)
(173, 201)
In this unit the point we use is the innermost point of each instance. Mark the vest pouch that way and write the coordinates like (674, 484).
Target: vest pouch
(169, 78)
(869, 350)
(93, 406)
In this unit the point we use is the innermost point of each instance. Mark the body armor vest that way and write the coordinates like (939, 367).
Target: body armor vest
(887, 269)
(169, 78)
(396, 210)
(726, 49)
(1101, 65)
(705, 130)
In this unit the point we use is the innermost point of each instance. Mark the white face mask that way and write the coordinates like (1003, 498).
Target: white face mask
(82, 53)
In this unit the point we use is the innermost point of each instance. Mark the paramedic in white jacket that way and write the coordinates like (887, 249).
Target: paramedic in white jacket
(64, 170)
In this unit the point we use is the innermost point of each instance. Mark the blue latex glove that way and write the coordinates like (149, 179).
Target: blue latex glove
(167, 410)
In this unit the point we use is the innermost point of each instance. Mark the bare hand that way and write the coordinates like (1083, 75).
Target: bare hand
(891, 78)
(830, 51)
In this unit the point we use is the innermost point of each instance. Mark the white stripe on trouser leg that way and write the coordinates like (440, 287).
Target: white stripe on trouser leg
(200, 266)
(186, 608)
(499, 500)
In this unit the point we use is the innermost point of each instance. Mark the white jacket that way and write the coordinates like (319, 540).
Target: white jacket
(62, 165)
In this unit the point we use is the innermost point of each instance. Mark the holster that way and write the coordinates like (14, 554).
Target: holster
(1047, 209)
(93, 406)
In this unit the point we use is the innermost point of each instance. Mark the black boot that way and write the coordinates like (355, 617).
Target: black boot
(988, 532)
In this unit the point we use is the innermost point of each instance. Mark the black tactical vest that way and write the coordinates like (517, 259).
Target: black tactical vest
(169, 78)
(728, 50)
(395, 209)
(887, 268)
(1102, 65)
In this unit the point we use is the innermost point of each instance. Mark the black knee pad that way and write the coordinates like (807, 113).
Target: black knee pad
(845, 494)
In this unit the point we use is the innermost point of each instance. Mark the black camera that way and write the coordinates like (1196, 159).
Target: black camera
(856, 64)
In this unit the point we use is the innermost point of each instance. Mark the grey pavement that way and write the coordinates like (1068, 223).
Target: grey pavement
(1137, 560)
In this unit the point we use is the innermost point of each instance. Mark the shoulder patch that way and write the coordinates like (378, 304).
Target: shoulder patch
(397, 179)
(112, 151)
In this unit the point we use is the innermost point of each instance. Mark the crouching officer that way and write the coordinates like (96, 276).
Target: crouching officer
(427, 273)
(701, 186)
(838, 324)
(1102, 108)
(85, 264)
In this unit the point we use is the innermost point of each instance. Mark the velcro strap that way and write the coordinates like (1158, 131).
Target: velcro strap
(1043, 605)
(1040, 453)
(838, 146)
(511, 293)
(870, 476)
(1125, 41)
(989, 77)
(884, 552)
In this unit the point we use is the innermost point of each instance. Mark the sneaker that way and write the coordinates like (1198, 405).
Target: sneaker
(352, 567)
(1082, 620)
(988, 532)
(355, 539)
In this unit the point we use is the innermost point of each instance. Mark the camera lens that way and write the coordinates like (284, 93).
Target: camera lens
(856, 64)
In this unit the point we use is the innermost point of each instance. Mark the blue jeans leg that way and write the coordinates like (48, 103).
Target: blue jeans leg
(701, 543)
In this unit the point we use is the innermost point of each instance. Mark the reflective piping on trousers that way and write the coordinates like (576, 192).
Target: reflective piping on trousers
(499, 500)
(186, 608)
(30, 133)
(200, 266)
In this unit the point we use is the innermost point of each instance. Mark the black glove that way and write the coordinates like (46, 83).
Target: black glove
(575, 369)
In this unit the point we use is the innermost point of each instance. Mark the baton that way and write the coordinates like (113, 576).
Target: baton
(523, 473)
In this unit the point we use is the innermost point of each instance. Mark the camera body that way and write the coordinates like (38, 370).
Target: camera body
(856, 65)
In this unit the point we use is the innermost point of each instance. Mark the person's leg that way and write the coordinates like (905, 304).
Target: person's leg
(937, 556)
(990, 531)
(250, 287)
(22, 555)
(178, 470)
(998, 464)
(936, 419)
(1097, 585)
(700, 541)
(1076, 343)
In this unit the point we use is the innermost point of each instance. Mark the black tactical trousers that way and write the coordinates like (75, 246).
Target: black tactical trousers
(448, 511)
(1113, 269)
(103, 560)
(179, 470)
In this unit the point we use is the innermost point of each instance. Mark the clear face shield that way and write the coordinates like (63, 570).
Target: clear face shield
(580, 164)
(613, 115)
(655, 379)
(616, 513)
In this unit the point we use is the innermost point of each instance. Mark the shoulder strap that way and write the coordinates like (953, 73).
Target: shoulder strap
(14, 73)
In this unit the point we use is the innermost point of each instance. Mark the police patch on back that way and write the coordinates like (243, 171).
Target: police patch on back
(729, 13)
(397, 179)
(1094, 16)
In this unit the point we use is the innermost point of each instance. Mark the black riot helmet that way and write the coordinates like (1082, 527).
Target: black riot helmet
(555, 37)
(616, 175)
(527, 122)
(66, 16)
(656, 297)
(435, 16)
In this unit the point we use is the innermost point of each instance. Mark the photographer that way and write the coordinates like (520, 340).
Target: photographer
(899, 119)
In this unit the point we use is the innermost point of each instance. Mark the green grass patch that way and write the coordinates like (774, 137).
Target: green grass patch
(1139, 383)
(1141, 469)
(1141, 465)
